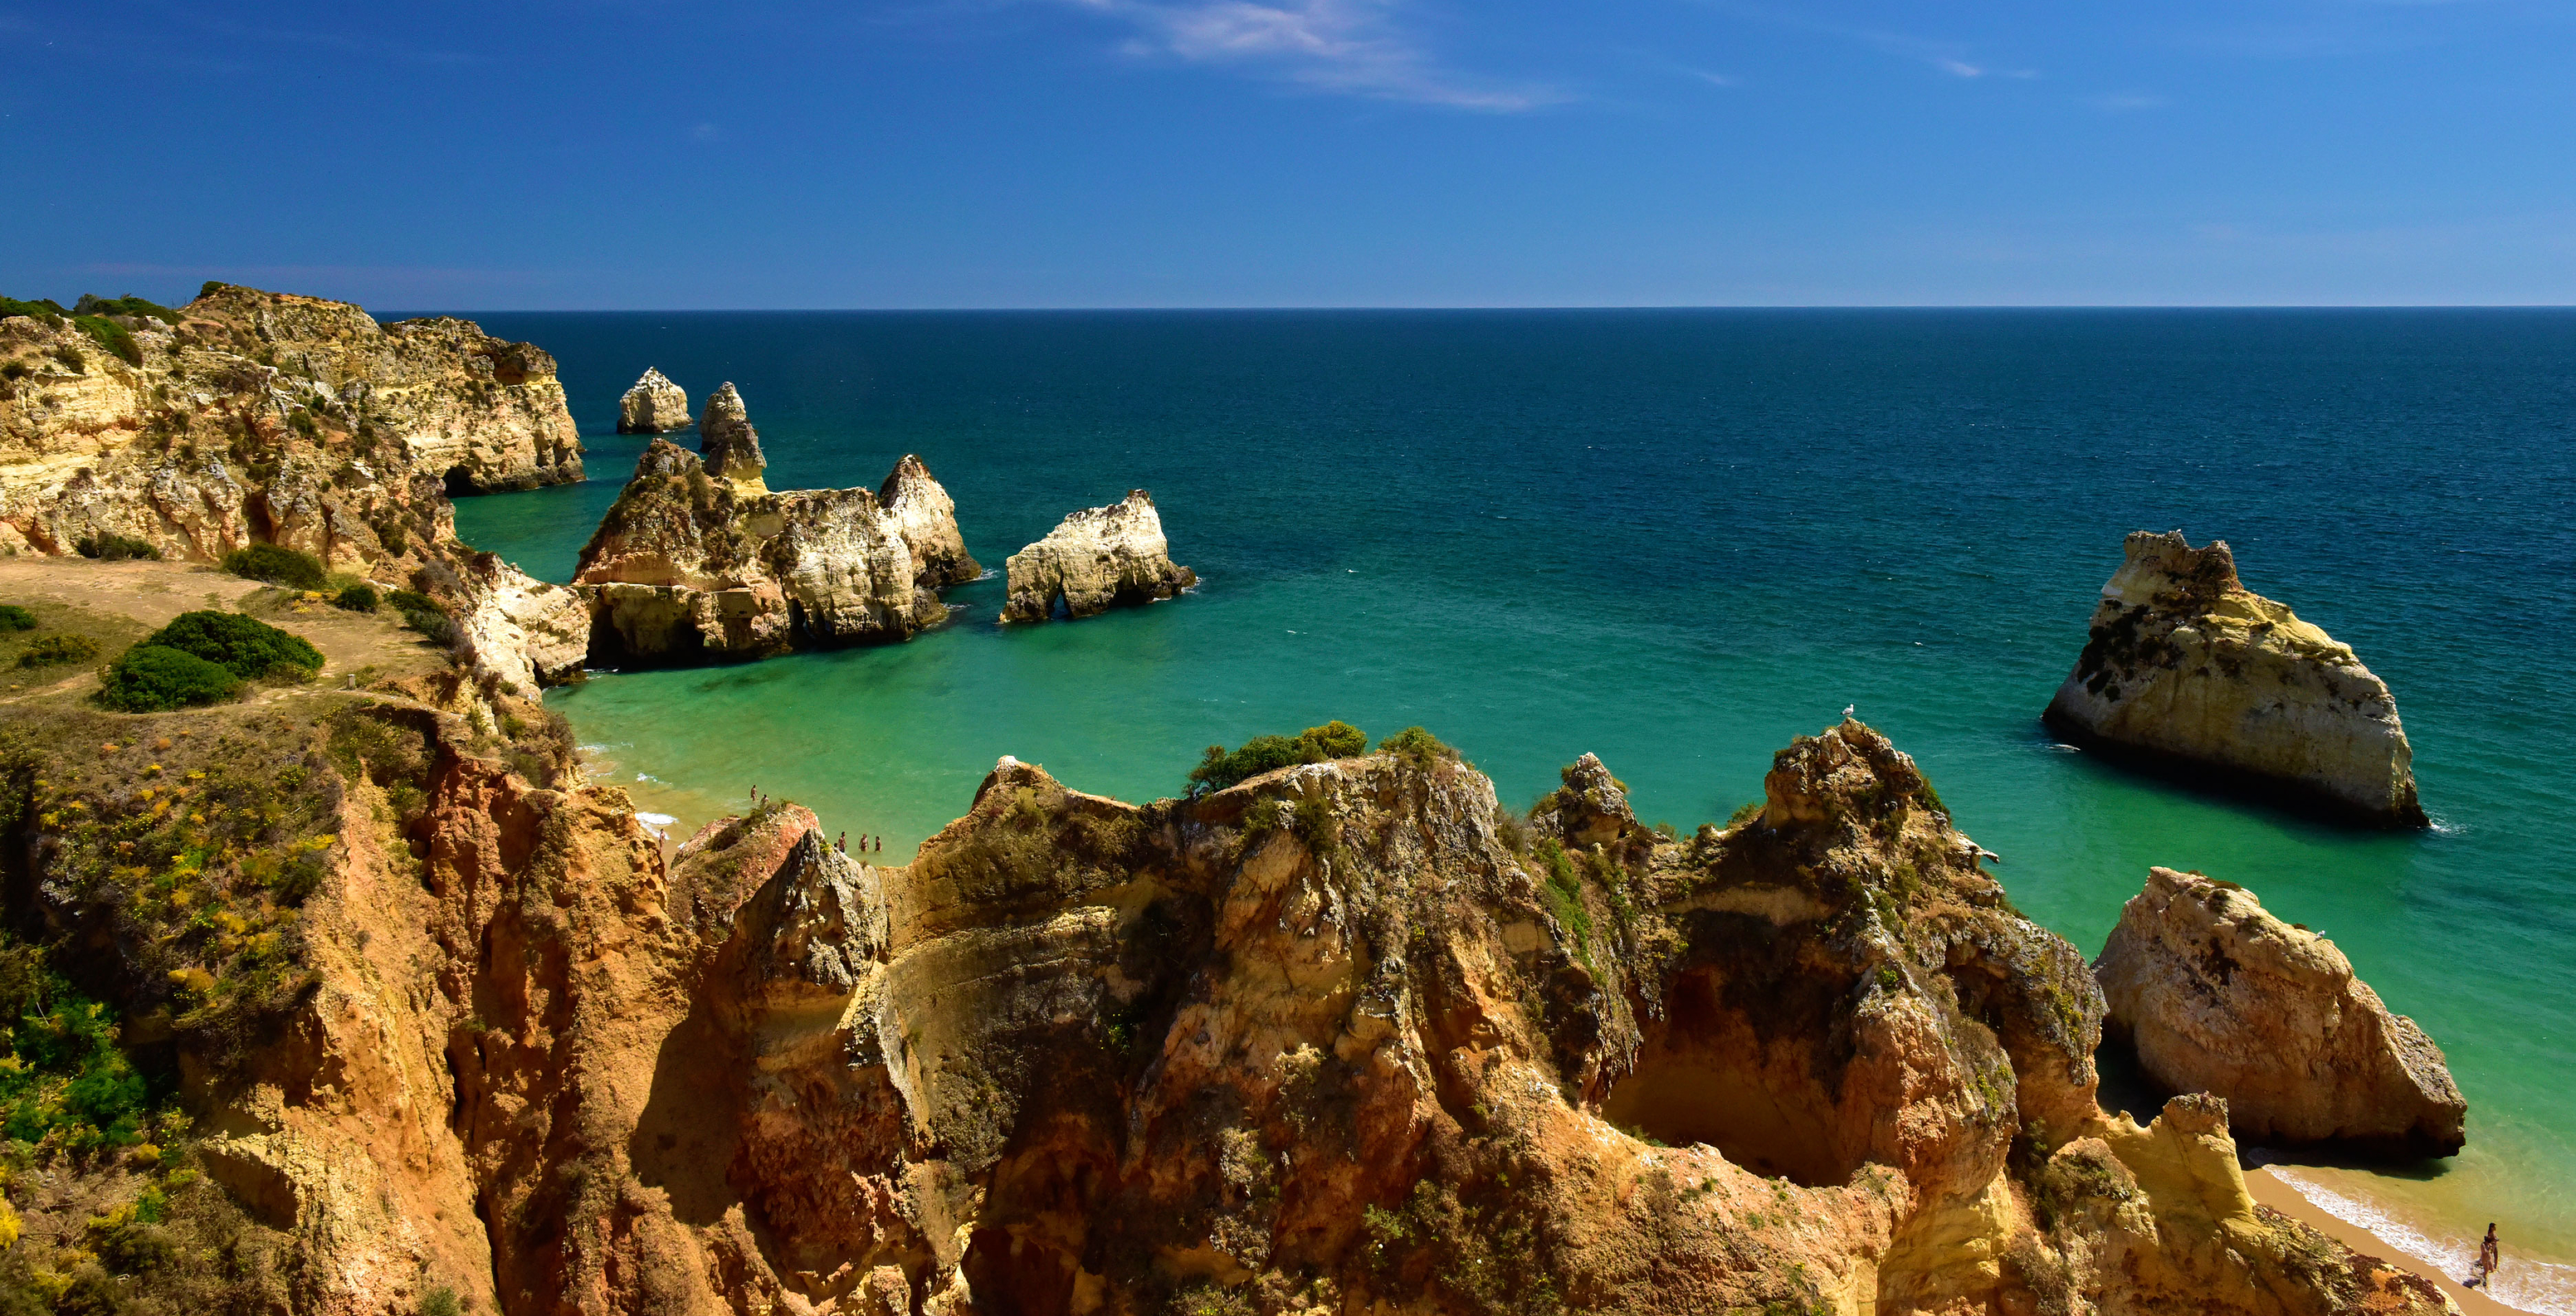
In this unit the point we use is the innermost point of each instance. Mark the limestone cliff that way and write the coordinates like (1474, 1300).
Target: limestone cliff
(1344, 1037)
(728, 443)
(689, 567)
(2186, 665)
(271, 418)
(929, 521)
(2219, 996)
(654, 406)
(1098, 557)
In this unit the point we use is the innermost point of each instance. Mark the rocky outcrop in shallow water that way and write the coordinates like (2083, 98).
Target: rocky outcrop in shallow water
(1099, 557)
(2219, 996)
(929, 521)
(1342, 1037)
(2185, 666)
(689, 567)
(654, 406)
(727, 442)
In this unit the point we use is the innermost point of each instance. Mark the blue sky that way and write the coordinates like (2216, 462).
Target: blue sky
(1037, 153)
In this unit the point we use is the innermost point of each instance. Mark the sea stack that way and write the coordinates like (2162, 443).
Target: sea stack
(2221, 997)
(728, 443)
(929, 521)
(688, 568)
(654, 406)
(1100, 556)
(2186, 666)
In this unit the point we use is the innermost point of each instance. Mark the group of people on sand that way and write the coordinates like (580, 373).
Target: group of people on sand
(760, 801)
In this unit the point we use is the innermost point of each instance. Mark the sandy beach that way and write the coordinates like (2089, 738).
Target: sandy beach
(2269, 1189)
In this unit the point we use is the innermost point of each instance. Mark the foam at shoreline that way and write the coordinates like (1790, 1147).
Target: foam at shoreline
(2545, 1288)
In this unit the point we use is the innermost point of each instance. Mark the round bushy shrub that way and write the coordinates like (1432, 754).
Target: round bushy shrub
(15, 618)
(1333, 740)
(153, 678)
(276, 564)
(48, 650)
(356, 598)
(244, 646)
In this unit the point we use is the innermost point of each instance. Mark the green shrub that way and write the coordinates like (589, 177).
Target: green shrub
(50, 650)
(356, 598)
(71, 358)
(153, 678)
(245, 646)
(1417, 747)
(1744, 813)
(15, 618)
(93, 304)
(112, 336)
(108, 546)
(441, 1301)
(1219, 769)
(43, 309)
(276, 564)
(67, 1075)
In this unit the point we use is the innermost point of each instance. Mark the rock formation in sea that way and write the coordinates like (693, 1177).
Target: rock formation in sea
(1343, 1037)
(929, 521)
(691, 567)
(1099, 557)
(2219, 996)
(270, 418)
(2187, 666)
(728, 443)
(654, 406)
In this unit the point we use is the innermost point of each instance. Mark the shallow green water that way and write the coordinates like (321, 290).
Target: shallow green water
(1680, 539)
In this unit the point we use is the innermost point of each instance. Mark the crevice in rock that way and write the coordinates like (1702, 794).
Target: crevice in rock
(1705, 1075)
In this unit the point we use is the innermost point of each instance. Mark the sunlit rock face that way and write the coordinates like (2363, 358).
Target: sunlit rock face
(1099, 557)
(2219, 996)
(2185, 666)
(654, 406)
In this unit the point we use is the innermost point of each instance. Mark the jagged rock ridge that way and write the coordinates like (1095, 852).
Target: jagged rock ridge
(1342, 1035)
(654, 406)
(1098, 557)
(2220, 996)
(2184, 664)
(688, 566)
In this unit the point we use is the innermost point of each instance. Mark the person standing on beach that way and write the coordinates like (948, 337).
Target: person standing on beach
(2490, 1257)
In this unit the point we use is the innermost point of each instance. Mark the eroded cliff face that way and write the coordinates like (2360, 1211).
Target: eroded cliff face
(1099, 557)
(2185, 664)
(727, 442)
(2219, 996)
(654, 406)
(929, 520)
(1342, 1038)
(689, 567)
(271, 418)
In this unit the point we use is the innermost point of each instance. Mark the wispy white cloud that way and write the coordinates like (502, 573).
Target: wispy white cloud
(1353, 47)
(2124, 101)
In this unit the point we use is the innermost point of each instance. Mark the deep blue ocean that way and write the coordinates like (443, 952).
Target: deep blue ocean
(1678, 539)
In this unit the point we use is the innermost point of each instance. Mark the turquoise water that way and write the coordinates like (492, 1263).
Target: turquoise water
(1678, 539)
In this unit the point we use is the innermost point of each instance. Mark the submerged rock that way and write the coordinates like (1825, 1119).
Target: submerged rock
(929, 521)
(687, 567)
(1098, 557)
(2186, 665)
(654, 406)
(2221, 997)
(728, 443)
